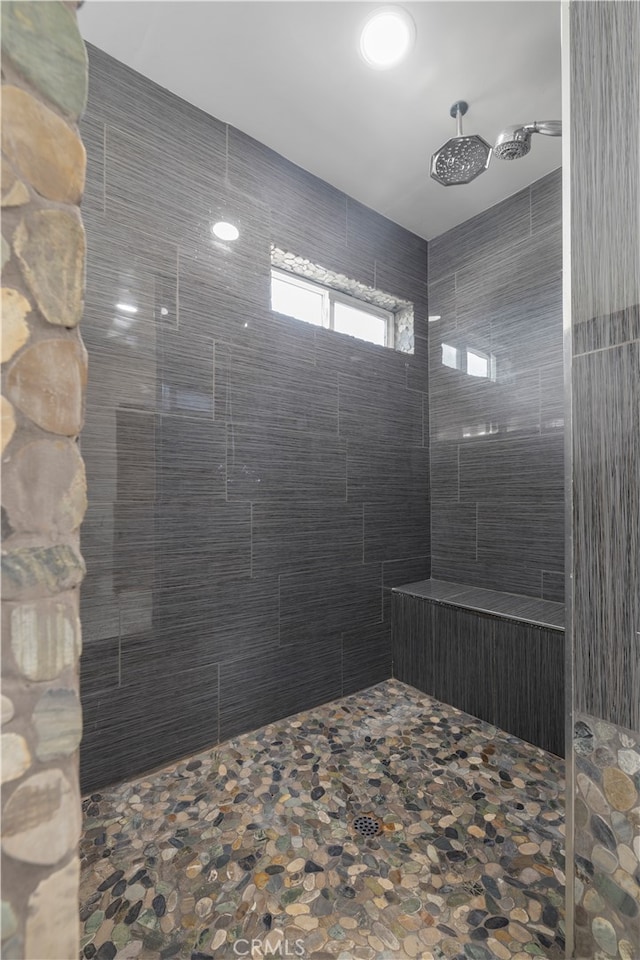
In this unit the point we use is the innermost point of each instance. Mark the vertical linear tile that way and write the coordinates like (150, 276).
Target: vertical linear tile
(605, 185)
(606, 529)
(604, 54)
(493, 668)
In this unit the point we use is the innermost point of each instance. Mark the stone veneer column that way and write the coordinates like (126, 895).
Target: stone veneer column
(44, 368)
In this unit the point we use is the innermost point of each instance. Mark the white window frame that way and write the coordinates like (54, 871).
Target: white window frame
(330, 297)
(462, 361)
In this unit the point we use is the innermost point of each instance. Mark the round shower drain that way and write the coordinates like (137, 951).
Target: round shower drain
(368, 825)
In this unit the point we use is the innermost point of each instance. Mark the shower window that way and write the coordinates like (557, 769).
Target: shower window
(475, 363)
(325, 307)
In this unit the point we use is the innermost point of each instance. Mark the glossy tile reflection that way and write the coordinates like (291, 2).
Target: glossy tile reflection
(248, 475)
(496, 399)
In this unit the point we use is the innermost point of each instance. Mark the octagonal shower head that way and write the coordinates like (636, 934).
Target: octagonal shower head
(461, 159)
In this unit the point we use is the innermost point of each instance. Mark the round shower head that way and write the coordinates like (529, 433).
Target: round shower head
(513, 143)
(461, 159)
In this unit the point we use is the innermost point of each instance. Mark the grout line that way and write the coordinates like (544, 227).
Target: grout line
(251, 541)
(363, 532)
(612, 346)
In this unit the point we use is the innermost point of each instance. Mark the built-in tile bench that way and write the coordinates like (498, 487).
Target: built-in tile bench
(498, 656)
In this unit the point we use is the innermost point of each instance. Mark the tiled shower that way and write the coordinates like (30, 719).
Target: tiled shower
(259, 489)
(258, 486)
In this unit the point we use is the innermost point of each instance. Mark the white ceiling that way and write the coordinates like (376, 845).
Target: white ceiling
(290, 75)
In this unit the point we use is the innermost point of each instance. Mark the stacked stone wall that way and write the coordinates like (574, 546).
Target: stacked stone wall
(44, 370)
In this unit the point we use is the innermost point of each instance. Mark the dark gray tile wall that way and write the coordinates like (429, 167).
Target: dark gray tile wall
(497, 448)
(257, 486)
(605, 369)
(604, 366)
(507, 673)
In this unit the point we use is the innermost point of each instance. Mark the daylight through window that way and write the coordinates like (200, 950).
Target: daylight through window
(331, 309)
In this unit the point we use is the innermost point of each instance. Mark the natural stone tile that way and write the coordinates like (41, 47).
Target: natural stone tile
(7, 422)
(258, 839)
(41, 819)
(48, 931)
(44, 487)
(42, 147)
(45, 636)
(15, 331)
(629, 761)
(627, 950)
(43, 42)
(14, 191)
(40, 571)
(47, 382)
(6, 705)
(50, 245)
(619, 789)
(605, 936)
(57, 719)
(16, 758)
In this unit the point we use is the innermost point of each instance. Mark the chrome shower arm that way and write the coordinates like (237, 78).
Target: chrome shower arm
(550, 128)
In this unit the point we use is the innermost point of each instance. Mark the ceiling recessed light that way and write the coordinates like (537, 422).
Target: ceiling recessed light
(387, 37)
(433, 317)
(126, 307)
(225, 231)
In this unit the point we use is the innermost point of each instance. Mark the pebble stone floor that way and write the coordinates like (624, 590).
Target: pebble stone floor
(250, 849)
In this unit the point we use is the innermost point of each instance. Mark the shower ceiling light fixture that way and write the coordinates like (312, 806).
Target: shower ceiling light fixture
(387, 37)
(461, 159)
(225, 231)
